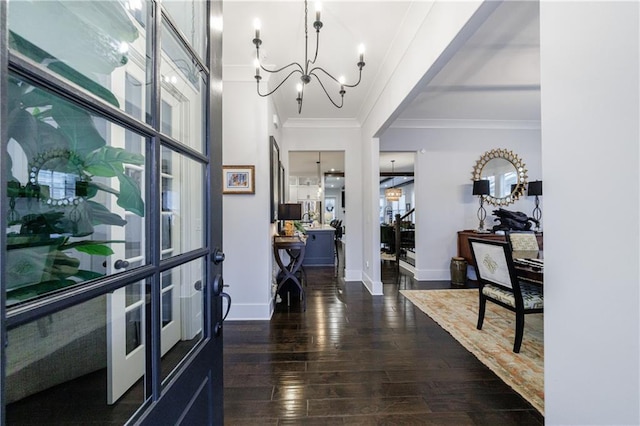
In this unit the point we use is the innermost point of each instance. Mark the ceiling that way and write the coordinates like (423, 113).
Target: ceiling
(346, 25)
(493, 77)
(305, 163)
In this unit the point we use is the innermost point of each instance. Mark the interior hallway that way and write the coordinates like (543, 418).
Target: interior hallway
(357, 359)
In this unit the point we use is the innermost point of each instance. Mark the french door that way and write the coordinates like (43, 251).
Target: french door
(111, 258)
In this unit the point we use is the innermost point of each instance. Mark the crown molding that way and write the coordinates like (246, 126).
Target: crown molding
(404, 123)
(344, 123)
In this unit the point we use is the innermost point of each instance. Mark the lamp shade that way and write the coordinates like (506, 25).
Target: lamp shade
(481, 187)
(292, 211)
(535, 188)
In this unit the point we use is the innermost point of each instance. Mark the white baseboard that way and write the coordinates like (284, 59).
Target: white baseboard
(250, 311)
(432, 274)
(374, 287)
(408, 267)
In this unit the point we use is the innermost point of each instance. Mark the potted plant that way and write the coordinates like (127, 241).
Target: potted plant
(53, 207)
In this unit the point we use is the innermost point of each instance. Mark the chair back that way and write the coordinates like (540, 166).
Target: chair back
(524, 245)
(494, 263)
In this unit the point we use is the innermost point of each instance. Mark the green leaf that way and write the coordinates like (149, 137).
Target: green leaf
(130, 198)
(95, 186)
(92, 190)
(95, 249)
(113, 155)
(109, 161)
(78, 126)
(49, 138)
(101, 215)
(35, 53)
(83, 243)
(23, 127)
(34, 290)
(103, 169)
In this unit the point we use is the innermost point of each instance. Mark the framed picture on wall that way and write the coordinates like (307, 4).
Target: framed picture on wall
(238, 180)
(275, 181)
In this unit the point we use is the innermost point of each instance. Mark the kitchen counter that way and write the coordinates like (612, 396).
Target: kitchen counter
(323, 227)
(320, 246)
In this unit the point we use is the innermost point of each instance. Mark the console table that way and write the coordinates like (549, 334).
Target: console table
(463, 242)
(295, 248)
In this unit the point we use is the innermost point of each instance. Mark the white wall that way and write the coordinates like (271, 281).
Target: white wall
(328, 136)
(444, 204)
(443, 26)
(249, 264)
(590, 135)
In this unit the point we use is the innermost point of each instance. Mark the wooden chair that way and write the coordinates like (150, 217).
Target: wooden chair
(524, 244)
(499, 284)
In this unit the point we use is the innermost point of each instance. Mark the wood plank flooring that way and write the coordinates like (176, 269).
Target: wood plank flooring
(357, 359)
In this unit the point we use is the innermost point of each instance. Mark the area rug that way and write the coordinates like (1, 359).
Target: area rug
(457, 312)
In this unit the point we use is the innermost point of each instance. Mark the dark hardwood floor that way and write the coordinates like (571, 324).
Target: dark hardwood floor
(351, 358)
(357, 359)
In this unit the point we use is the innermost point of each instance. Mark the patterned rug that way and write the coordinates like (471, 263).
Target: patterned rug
(457, 312)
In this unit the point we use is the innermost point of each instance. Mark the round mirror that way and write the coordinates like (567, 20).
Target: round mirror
(59, 177)
(506, 174)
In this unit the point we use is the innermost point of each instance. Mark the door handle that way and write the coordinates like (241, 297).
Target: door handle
(121, 264)
(218, 256)
(217, 329)
(226, 296)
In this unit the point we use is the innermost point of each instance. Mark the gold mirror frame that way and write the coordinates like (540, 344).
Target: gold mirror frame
(518, 165)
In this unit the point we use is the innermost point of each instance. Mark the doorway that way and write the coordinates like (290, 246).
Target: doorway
(317, 181)
(397, 209)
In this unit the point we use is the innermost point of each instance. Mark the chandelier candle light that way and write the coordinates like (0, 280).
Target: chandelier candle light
(309, 69)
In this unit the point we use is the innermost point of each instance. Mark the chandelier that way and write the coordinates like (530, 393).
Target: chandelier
(393, 194)
(307, 70)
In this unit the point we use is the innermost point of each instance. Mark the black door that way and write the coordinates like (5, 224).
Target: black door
(111, 261)
(195, 394)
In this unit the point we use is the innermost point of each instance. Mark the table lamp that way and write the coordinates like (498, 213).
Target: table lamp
(481, 188)
(535, 189)
(288, 213)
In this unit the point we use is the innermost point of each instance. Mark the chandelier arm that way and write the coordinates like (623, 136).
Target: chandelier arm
(278, 86)
(314, 69)
(327, 93)
(315, 57)
(283, 68)
(358, 82)
(307, 69)
(334, 79)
